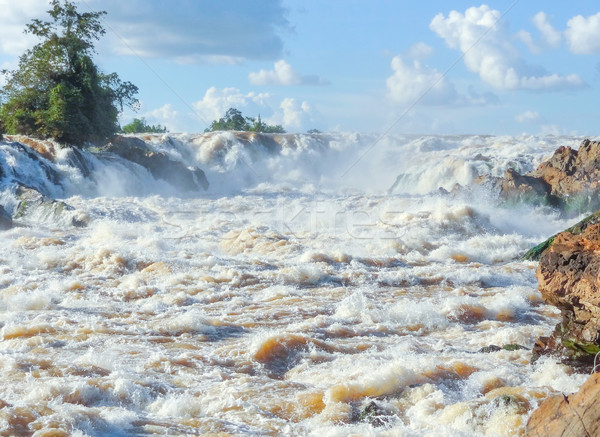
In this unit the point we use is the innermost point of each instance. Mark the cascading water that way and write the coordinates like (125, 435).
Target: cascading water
(321, 286)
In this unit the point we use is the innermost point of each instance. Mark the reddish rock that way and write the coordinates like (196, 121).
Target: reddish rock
(569, 180)
(570, 172)
(568, 276)
(575, 415)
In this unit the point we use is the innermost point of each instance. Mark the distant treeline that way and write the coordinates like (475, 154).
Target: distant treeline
(234, 120)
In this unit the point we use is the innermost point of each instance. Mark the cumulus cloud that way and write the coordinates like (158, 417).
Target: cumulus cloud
(484, 41)
(293, 114)
(413, 81)
(216, 102)
(165, 115)
(528, 117)
(552, 37)
(283, 74)
(527, 39)
(289, 112)
(583, 34)
(420, 50)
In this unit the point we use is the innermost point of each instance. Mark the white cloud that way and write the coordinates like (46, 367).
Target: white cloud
(413, 81)
(166, 115)
(552, 37)
(583, 34)
(294, 115)
(283, 74)
(528, 117)
(527, 39)
(14, 15)
(216, 102)
(420, 50)
(485, 43)
(289, 112)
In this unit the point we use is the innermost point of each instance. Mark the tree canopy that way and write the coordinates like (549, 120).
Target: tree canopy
(139, 125)
(234, 120)
(57, 91)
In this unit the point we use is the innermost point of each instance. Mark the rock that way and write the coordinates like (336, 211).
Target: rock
(76, 159)
(569, 181)
(22, 174)
(506, 347)
(535, 253)
(514, 187)
(5, 219)
(490, 348)
(574, 415)
(374, 415)
(158, 163)
(571, 171)
(34, 206)
(514, 347)
(568, 276)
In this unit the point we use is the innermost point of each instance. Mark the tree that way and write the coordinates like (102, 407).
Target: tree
(57, 91)
(139, 125)
(234, 120)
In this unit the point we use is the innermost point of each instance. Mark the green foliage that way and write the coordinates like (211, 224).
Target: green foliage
(57, 91)
(139, 125)
(234, 120)
(313, 131)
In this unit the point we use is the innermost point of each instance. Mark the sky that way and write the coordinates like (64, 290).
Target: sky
(398, 66)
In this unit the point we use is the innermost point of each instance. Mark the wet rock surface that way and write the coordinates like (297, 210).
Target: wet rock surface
(34, 205)
(158, 163)
(568, 278)
(575, 415)
(535, 253)
(569, 181)
(5, 219)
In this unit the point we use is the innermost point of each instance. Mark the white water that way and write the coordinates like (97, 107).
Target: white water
(284, 299)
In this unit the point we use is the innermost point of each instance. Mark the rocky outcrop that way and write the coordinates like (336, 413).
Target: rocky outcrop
(158, 163)
(568, 276)
(569, 180)
(535, 253)
(516, 187)
(575, 415)
(572, 172)
(34, 206)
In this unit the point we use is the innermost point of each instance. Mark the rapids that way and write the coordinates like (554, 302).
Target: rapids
(318, 274)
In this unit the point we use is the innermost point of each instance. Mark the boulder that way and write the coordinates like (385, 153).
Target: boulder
(5, 219)
(574, 415)
(34, 206)
(158, 163)
(568, 276)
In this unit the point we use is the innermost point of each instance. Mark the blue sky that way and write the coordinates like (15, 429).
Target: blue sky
(500, 67)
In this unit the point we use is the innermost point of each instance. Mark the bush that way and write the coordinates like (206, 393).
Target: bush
(234, 120)
(57, 91)
(139, 125)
